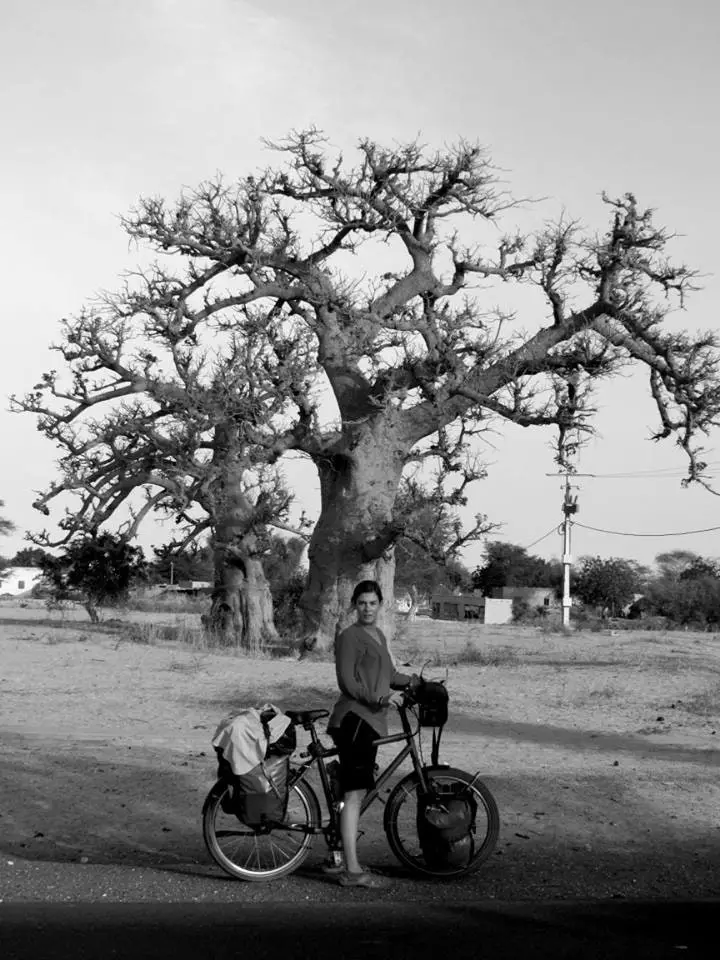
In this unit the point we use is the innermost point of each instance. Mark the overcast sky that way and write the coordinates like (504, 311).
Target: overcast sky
(104, 101)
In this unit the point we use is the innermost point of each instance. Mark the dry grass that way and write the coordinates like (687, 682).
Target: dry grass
(498, 656)
(168, 603)
(157, 634)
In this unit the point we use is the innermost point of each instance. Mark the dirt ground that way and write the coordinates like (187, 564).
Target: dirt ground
(602, 750)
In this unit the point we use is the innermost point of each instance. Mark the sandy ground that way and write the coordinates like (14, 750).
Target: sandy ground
(602, 751)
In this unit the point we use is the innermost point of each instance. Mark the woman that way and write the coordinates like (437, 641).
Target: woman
(365, 676)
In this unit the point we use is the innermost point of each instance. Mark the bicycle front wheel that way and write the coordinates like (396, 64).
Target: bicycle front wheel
(401, 821)
(265, 854)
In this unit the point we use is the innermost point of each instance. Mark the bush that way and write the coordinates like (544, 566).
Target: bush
(520, 610)
(686, 601)
(100, 568)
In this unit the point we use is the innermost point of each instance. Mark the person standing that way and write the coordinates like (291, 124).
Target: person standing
(365, 676)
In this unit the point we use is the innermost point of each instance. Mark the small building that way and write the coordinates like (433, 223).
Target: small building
(16, 581)
(534, 597)
(471, 606)
(194, 587)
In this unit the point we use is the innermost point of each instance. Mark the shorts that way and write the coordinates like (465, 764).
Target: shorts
(357, 751)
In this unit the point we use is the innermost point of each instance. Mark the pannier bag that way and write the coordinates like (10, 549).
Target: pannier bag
(446, 826)
(253, 750)
(432, 698)
(261, 796)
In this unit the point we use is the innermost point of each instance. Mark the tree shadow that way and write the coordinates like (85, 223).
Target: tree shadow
(110, 804)
(140, 807)
(585, 741)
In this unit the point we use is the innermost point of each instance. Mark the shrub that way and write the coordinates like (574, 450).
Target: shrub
(520, 610)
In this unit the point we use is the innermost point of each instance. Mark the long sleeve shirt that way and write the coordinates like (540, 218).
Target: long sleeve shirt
(365, 676)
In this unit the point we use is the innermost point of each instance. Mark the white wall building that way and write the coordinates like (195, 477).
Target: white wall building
(15, 581)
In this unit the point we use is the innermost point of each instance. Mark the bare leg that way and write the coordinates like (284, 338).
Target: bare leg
(349, 823)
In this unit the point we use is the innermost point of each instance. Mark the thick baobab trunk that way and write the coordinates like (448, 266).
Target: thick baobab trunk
(241, 612)
(353, 539)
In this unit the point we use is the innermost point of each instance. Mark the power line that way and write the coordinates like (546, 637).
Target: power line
(660, 473)
(647, 476)
(543, 537)
(624, 533)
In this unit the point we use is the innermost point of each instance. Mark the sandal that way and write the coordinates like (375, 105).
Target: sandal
(359, 880)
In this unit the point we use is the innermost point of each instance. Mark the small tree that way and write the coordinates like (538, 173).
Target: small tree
(701, 568)
(690, 601)
(687, 589)
(509, 565)
(101, 569)
(174, 562)
(29, 557)
(673, 563)
(609, 584)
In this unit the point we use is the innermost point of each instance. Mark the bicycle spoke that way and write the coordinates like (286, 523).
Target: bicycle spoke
(267, 853)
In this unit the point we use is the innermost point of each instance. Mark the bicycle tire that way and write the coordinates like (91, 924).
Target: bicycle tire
(265, 854)
(400, 822)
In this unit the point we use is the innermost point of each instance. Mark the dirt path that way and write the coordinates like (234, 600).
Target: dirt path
(601, 750)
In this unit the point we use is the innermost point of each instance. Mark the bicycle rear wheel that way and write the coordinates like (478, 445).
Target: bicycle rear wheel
(265, 854)
(401, 821)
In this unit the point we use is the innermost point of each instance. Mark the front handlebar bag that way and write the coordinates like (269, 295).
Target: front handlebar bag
(432, 699)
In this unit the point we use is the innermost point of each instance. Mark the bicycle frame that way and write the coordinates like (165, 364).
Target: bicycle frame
(317, 752)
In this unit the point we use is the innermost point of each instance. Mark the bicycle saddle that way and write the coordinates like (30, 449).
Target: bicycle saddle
(302, 717)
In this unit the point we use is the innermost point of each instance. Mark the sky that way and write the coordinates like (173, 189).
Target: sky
(102, 102)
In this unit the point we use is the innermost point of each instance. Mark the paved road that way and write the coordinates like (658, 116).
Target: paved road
(587, 931)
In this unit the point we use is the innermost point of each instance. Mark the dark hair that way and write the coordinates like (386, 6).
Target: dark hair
(367, 586)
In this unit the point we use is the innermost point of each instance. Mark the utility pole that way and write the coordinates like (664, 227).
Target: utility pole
(569, 508)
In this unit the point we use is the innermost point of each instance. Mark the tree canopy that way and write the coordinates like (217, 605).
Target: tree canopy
(510, 565)
(29, 557)
(608, 583)
(101, 569)
(372, 287)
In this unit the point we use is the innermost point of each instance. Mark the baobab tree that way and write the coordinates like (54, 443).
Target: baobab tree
(179, 441)
(387, 273)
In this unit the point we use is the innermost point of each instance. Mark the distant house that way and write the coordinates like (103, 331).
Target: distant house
(194, 587)
(15, 581)
(534, 596)
(470, 606)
